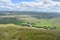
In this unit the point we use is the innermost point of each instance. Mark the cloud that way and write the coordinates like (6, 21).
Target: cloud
(37, 5)
(56, 0)
(6, 1)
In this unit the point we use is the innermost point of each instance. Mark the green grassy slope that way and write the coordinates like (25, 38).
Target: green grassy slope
(24, 33)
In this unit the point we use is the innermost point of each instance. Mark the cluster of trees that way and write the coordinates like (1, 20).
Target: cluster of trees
(45, 27)
(49, 27)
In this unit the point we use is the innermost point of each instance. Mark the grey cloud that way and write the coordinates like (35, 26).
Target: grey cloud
(56, 0)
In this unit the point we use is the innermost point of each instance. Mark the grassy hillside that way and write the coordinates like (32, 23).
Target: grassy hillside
(29, 26)
(27, 33)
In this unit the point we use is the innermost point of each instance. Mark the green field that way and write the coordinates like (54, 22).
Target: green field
(24, 21)
(41, 22)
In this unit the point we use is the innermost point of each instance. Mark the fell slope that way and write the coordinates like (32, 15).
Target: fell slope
(27, 33)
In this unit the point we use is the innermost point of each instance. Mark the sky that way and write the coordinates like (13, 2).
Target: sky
(30, 5)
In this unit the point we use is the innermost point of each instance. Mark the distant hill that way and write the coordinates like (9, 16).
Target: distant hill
(34, 14)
